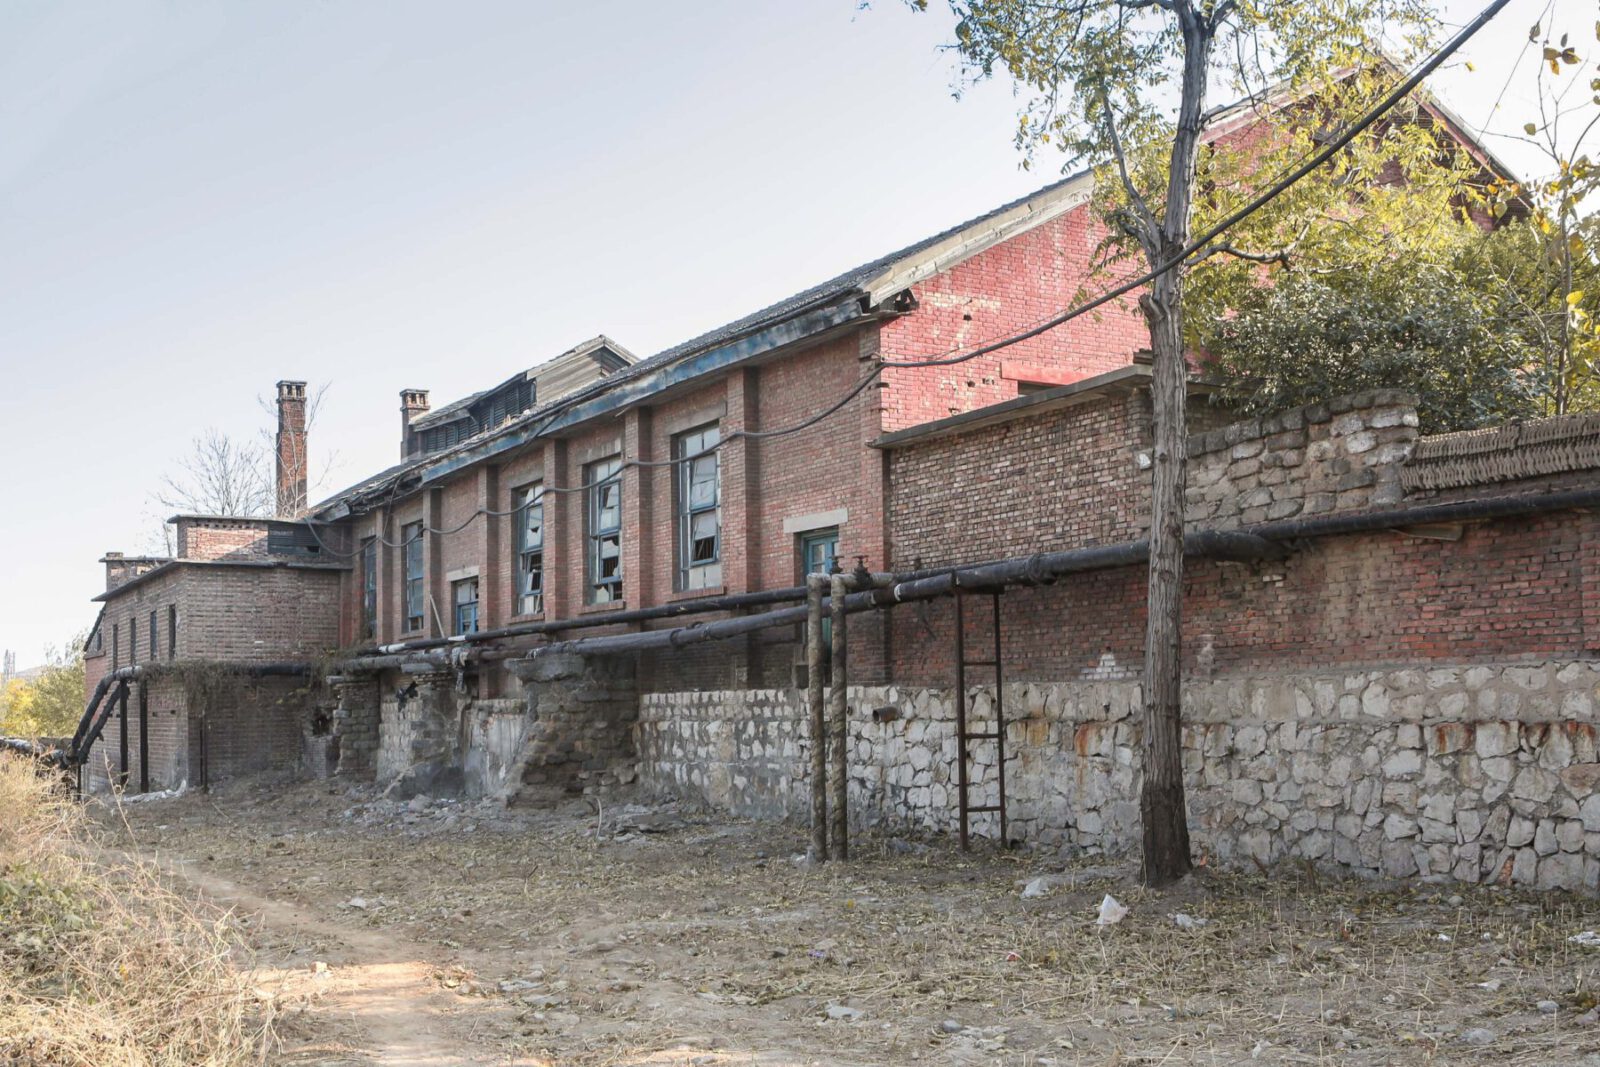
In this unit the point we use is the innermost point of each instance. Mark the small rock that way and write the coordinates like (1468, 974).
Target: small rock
(1547, 1007)
(358, 903)
(1478, 1035)
(951, 1026)
(420, 802)
(845, 1013)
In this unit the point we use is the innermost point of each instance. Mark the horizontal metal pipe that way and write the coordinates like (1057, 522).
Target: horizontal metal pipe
(679, 609)
(1417, 514)
(1250, 543)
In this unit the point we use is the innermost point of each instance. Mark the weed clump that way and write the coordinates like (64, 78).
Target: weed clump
(101, 963)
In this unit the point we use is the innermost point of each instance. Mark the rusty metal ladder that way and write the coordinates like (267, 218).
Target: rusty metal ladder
(964, 737)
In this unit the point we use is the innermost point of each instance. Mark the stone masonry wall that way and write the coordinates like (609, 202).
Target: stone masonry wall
(569, 727)
(1343, 455)
(1475, 772)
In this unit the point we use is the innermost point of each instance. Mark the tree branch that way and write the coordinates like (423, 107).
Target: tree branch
(1141, 209)
(1280, 256)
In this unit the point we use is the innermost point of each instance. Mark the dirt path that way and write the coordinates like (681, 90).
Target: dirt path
(456, 934)
(376, 999)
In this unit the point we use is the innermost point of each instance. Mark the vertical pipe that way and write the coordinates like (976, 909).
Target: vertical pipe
(144, 733)
(205, 744)
(841, 721)
(819, 717)
(999, 723)
(122, 744)
(963, 802)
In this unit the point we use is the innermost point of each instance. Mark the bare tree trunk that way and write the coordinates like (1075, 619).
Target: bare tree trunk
(1161, 802)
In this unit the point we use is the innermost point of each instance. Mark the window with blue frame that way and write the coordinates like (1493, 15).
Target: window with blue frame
(464, 596)
(529, 548)
(698, 500)
(411, 538)
(604, 555)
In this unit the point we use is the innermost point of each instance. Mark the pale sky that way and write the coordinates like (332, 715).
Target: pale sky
(198, 199)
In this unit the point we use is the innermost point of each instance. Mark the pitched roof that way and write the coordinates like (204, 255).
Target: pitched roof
(893, 271)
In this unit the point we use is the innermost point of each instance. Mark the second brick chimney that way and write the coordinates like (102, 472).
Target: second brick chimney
(291, 449)
(413, 402)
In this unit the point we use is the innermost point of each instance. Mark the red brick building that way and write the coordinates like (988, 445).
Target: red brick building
(1388, 689)
(619, 526)
(239, 596)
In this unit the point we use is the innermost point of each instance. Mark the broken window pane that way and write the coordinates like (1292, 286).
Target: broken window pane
(604, 555)
(530, 550)
(697, 502)
(465, 599)
(411, 538)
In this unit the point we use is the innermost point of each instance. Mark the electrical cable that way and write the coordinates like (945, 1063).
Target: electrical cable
(1188, 251)
(1260, 201)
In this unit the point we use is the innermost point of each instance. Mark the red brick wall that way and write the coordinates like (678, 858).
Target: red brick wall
(1511, 589)
(221, 539)
(257, 614)
(1062, 479)
(242, 614)
(999, 292)
(255, 724)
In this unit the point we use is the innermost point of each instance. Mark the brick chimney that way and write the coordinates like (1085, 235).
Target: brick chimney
(413, 402)
(291, 449)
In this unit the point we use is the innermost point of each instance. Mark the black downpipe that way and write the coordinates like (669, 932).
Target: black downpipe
(144, 736)
(122, 734)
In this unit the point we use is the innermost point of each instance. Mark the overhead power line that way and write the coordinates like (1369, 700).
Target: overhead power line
(1199, 244)
(1261, 200)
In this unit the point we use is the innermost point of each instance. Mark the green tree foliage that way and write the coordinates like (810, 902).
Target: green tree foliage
(1472, 331)
(1405, 326)
(50, 704)
(1482, 328)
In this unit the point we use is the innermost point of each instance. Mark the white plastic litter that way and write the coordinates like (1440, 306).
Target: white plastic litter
(163, 794)
(1111, 911)
(1588, 939)
(1189, 922)
(1036, 888)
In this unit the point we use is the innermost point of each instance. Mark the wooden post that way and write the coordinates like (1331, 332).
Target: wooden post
(819, 718)
(840, 743)
(144, 736)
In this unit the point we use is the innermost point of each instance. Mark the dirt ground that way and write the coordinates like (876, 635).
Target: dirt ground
(553, 934)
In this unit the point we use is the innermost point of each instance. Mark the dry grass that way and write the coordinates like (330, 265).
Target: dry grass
(708, 934)
(100, 963)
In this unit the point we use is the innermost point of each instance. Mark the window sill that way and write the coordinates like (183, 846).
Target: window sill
(697, 594)
(535, 616)
(601, 609)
